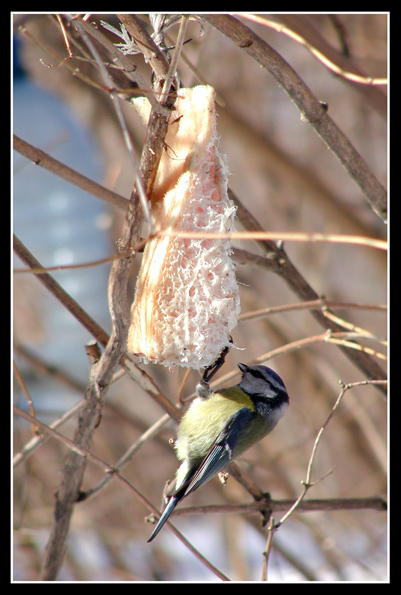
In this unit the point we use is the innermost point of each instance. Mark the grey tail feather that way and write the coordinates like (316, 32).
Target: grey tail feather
(171, 504)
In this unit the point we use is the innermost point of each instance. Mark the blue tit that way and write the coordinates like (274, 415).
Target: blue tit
(219, 426)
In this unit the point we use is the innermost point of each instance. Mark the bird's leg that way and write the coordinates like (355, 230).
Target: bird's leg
(211, 370)
(202, 388)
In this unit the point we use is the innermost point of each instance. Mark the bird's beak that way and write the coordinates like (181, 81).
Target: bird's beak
(243, 367)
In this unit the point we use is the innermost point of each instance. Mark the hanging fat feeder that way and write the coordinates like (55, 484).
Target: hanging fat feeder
(187, 301)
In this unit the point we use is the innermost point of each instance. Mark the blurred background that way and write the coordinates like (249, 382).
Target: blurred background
(283, 173)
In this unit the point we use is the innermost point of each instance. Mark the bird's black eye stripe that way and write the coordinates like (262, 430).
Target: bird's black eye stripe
(268, 377)
(257, 374)
(273, 380)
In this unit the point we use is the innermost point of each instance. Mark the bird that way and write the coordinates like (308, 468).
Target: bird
(220, 425)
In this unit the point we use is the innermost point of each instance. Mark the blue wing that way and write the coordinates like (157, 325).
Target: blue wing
(218, 458)
(221, 453)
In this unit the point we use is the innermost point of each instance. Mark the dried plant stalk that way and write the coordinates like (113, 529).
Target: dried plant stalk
(187, 300)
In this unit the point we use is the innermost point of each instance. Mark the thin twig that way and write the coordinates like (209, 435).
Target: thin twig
(30, 446)
(303, 24)
(327, 337)
(27, 395)
(321, 303)
(280, 28)
(65, 62)
(127, 457)
(307, 483)
(266, 554)
(172, 71)
(277, 235)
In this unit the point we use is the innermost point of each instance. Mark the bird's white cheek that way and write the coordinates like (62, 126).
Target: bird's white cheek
(278, 413)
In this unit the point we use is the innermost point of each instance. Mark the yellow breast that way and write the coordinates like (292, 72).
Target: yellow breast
(205, 419)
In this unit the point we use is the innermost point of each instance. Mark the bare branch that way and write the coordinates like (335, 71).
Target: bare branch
(311, 109)
(85, 453)
(306, 505)
(101, 372)
(39, 157)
